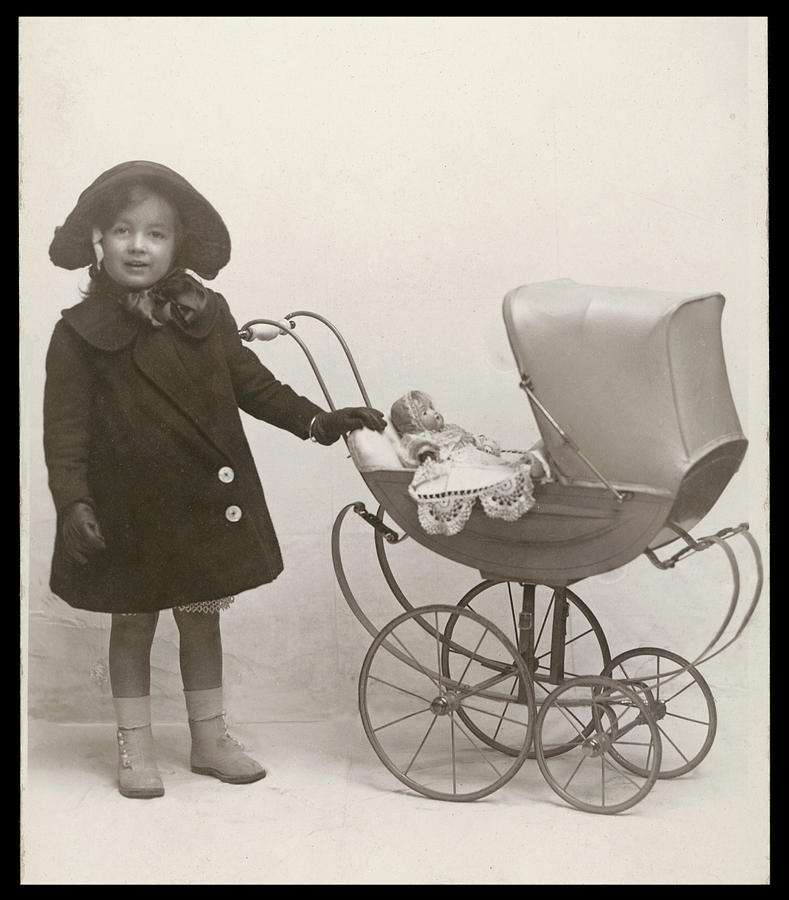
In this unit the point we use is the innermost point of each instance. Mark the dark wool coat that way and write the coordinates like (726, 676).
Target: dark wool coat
(145, 424)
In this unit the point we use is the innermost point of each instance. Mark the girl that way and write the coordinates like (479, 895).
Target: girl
(159, 505)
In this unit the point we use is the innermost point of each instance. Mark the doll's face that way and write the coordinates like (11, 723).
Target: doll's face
(139, 246)
(430, 419)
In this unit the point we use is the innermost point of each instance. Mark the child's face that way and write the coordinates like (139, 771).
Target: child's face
(431, 419)
(139, 246)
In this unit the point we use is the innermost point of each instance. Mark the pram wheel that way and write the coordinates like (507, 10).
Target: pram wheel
(410, 710)
(681, 704)
(585, 646)
(590, 774)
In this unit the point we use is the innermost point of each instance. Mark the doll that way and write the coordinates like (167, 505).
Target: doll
(454, 468)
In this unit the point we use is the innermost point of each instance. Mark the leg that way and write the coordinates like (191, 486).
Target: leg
(214, 751)
(200, 650)
(131, 638)
(130, 674)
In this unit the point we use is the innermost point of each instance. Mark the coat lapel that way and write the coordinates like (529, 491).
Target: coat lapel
(158, 356)
(191, 380)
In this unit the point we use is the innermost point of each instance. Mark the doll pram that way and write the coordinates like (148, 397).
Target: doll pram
(630, 393)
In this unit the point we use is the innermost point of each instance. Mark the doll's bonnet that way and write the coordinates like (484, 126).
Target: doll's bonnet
(405, 412)
(205, 247)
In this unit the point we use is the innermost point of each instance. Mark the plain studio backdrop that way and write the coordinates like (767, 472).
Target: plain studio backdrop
(399, 176)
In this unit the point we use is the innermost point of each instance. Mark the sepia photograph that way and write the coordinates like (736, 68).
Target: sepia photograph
(394, 450)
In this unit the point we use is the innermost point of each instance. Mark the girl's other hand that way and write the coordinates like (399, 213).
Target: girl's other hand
(81, 532)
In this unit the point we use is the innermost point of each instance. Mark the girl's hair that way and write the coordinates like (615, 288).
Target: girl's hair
(106, 213)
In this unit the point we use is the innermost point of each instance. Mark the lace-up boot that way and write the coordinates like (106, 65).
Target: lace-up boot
(214, 751)
(138, 776)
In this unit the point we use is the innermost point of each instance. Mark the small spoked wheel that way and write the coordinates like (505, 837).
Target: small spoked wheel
(584, 646)
(410, 709)
(599, 716)
(681, 704)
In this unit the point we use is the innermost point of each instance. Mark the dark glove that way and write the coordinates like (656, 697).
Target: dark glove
(328, 426)
(81, 532)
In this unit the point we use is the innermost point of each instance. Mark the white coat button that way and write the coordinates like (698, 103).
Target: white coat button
(233, 513)
(226, 474)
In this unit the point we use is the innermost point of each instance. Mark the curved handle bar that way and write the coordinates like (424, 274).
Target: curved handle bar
(249, 333)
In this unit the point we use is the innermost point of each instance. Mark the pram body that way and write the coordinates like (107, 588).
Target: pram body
(652, 407)
(631, 396)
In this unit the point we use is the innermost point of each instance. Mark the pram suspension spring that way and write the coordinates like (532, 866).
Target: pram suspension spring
(389, 535)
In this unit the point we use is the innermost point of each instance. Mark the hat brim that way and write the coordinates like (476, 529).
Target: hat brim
(205, 247)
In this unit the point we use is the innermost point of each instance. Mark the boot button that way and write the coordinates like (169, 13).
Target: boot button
(233, 513)
(226, 474)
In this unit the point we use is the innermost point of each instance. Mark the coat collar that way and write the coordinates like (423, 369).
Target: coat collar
(174, 365)
(102, 322)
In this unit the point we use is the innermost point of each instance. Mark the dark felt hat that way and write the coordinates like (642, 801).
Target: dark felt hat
(205, 248)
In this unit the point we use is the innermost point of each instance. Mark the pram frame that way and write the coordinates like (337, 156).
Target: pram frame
(660, 502)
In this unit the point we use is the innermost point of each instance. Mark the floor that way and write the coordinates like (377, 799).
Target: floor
(330, 813)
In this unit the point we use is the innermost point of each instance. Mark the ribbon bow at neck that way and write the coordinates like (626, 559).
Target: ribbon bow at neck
(175, 298)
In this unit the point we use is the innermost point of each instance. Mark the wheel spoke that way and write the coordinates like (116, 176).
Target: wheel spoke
(544, 621)
(564, 711)
(421, 744)
(476, 747)
(581, 762)
(396, 688)
(687, 719)
(624, 672)
(620, 772)
(502, 718)
(681, 690)
(567, 644)
(506, 707)
(673, 744)
(438, 649)
(602, 779)
(512, 612)
(402, 718)
(473, 654)
(419, 665)
(657, 686)
(452, 751)
(483, 685)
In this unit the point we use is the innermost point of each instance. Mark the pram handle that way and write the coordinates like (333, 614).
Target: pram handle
(252, 331)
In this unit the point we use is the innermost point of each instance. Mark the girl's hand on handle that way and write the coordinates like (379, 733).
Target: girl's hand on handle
(327, 427)
(81, 532)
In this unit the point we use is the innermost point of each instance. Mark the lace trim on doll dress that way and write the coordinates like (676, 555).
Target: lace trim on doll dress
(447, 511)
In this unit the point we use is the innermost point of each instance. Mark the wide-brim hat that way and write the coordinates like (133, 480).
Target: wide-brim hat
(205, 247)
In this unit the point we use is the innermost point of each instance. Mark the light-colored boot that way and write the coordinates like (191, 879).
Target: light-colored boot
(138, 776)
(214, 751)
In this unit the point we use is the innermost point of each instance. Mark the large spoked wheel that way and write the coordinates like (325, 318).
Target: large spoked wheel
(411, 711)
(598, 716)
(585, 648)
(682, 705)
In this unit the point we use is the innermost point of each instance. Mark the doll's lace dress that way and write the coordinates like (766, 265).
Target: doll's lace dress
(446, 510)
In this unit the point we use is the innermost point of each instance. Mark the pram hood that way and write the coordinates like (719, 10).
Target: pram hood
(636, 378)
